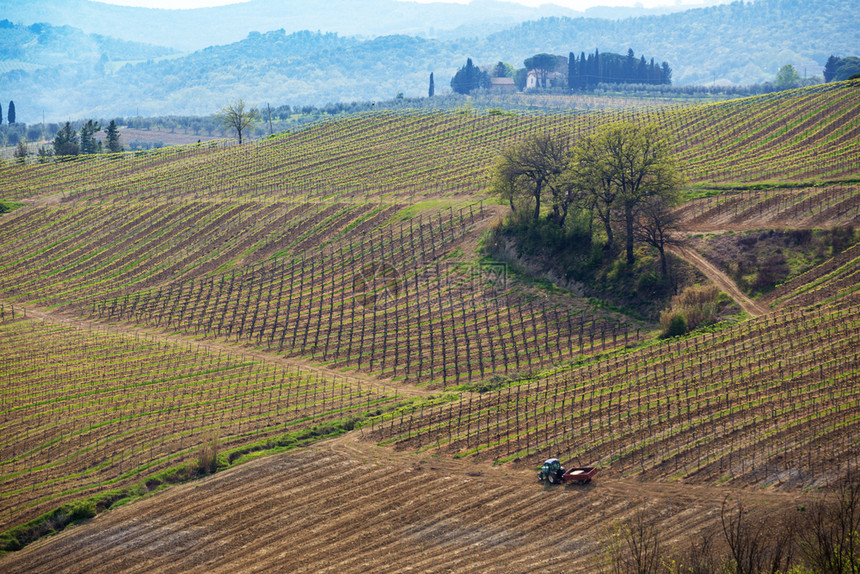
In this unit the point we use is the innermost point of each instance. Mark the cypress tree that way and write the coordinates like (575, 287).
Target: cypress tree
(11, 113)
(583, 83)
(432, 91)
(1, 114)
(571, 72)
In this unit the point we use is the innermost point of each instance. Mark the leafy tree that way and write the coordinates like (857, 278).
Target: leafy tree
(847, 69)
(526, 170)
(66, 142)
(830, 68)
(112, 138)
(502, 70)
(469, 78)
(787, 77)
(432, 91)
(11, 113)
(625, 164)
(89, 144)
(235, 117)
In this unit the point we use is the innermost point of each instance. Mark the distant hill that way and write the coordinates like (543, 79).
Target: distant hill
(739, 42)
(189, 30)
(42, 45)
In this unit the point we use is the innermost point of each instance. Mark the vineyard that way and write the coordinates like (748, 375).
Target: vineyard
(773, 400)
(809, 133)
(154, 303)
(85, 411)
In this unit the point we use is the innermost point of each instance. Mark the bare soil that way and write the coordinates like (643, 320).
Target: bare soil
(346, 505)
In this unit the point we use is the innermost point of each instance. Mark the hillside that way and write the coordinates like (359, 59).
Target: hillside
(330, 281)
(40, 46)
(196, 29)
(277, 63)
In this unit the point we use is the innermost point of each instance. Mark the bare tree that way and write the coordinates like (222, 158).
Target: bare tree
(655, 225)
(641, 536)
(235, 117)
(757, 546)
(831, 540)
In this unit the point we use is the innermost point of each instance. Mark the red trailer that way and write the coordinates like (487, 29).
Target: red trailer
(582, 474)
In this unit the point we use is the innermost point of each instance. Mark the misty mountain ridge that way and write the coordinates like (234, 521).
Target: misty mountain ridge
(739, 43)
(195, 29)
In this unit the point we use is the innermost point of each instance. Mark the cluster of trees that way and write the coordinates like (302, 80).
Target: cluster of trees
(68, 143)
(585, 72)
(839, 69)
(624, 177)
(470, 77)
(575, 73)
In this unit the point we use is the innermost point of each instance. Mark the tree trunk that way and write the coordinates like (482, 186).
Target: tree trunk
(537, 201)
(663, 267)
(628, 216)
(610, 239)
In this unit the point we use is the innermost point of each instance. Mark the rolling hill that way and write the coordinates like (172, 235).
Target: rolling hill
(280, 63)
(329, 281)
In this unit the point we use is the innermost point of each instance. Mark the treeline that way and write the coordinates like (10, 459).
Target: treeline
(585, 72)
(574, 73)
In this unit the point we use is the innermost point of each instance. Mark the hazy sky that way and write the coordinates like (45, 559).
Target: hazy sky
(574, 4)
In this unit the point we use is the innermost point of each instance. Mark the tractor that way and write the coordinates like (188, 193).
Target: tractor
(551, 471)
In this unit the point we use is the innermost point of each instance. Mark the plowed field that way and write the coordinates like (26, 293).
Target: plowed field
(348, 506)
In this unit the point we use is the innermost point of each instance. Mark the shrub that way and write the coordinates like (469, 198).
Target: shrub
(674, 324)
(696, 306)
(207, 459)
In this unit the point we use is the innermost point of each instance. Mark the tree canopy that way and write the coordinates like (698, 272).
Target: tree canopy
(839, 69)
(787, 77)
(66, 142)
(469, 78)
(525, 171)
(622, 173)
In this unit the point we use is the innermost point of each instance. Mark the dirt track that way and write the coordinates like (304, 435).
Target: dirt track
(720, 279)
(349, 506)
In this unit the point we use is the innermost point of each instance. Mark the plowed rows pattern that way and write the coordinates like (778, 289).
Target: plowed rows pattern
(391, 304)
(85, 411)
(789, 208)
(73, 255)
(770, 399)
(794, 135)
(319, 510)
